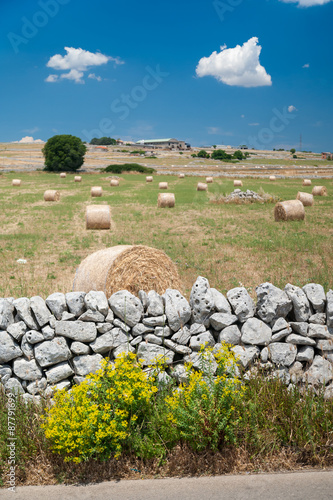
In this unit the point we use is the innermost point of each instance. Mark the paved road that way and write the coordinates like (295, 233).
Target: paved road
(290, 486)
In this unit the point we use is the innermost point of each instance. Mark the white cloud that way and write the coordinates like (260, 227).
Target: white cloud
(307, 65)
(94, 77)
(307, 3)
(291, 109)
(238, 66)
(31, 130)
(51, 78)
(253, 124)
(29, 140)
(77, 61)
(242, 116)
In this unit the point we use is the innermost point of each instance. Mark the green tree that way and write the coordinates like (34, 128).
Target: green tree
(293, 151)
(203, 154)
(238, 155)
(220, 154)
(64, 153)
(103, 141)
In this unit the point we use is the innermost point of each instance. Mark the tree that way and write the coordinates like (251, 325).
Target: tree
(214, 146)
(238, 155)
(220, 154)
(103, 141)
(293, 151)
(203, 154)
(64, 153)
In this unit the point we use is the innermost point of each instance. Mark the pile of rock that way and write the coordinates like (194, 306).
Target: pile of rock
(57, 342)
(239, 195)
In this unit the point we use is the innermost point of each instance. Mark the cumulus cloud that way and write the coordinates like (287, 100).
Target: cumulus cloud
(76, 62)
(291, 109)
(307, 3)
(94, 77)
(306, 66)
(238, 66)
(28, 140)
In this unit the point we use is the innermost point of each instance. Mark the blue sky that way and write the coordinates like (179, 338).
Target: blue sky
(256, 72)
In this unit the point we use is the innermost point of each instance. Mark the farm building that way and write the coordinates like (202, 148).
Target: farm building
(326, 156)
(172, 144)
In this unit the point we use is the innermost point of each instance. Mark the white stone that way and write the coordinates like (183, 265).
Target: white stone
(97, 301)
(177, 309)
(59, 372)
(127, 307)
(201, 301)
(221, 320)
(56, 302)
(272, 302)
(78, 348)
(230, 335)
(282, 353)
(245, 354)
(320, 372)
(203, 339)
(9, 349)
(83, 365)
(155, 304)
(241, 303)
(41, 312)
(110, 340)
(79, 331)
(316, 296)
(75, 303)
(301, 305)
(51, 352)
(305, 353)
(149, 353)
(6, 313)
(220, 302)
(26, 370)
(23, 310)
(17, 330)
(256, 332)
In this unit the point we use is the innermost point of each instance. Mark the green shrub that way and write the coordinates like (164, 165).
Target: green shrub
(128, 167)
(64, 153)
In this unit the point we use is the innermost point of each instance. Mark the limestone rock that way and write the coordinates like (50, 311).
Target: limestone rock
(9, 349)
(56, 302)
(78, 330)
(79, 349)
(155, 321)
(221, 303)
(155, 304)
(17, 330)
(122, 349)
(256, 332)
(329, 308)
(110, 340)
(162, 331)
(51, 352)
(33, 337)
(59, 372)
(282, 353)
(75, 303)
(177, 309)
(279, 324)
(203, 339)
(5, 373)
(41, 312)
(92, 316)
(300, 327)
(48, 332)
(245, 354)
(83, 365)
(6, 314)
(241, 303)
(141, 329)
(201, 301)
(23, 310)
(153, 339)
(150, 352)
(202, 361)
(305, 353)
(319, 332)
(318, 318)
(316, 296)
(273, 303)
(97, 301)
(182, 336)
(320, 372)
(221, 320)
(301, 305)
(281, 334)
(300, 340)
(127, 307)
(230, 335)
(14, 386)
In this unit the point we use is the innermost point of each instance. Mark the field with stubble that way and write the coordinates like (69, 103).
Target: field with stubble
(228, 244)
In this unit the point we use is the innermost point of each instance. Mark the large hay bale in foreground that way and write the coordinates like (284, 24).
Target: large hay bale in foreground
(305, 198)
(98, 217)
(77, 178)
(16, 182)
(181, 176)
(209, 180)
(127, 267)
(96, 191)
(114, 182)
(166, 200)
(272, 178)
(238, 183)
(289, 210)
(51, 195)
(163, 185)
(306, 182)
(319, 191)
(201, 186)
(149, 178)
(63, 175)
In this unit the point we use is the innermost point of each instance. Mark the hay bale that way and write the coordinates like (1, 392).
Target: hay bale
(181, 176)
(98, 217)
(77, 178)
(166, 200)
(209, 180)
(201, 186)
(238, 184)
(63, 175)
(96, 191)
(305, 198)
(319, 191)
(114, 182)
(16, 182)
(306, 182)
(51, 195)
(127, 267)
(272, 178)
(149, 178)
(289, 210)
(163, 185)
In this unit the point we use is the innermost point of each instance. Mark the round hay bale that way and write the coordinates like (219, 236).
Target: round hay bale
(319, 191)
(98, 217)
(63, 175)
(238, 183)
(181, 176)
(305, 198)
(166, 200)
(96, 191)
(51, 195)
(16, 182)
(272, 178)
(114, 182)
(209, 180)
(149, 178)
(77, 178)
(163, 185)
(306, 182)
(289, 210)
(127, 267)
(201, 186)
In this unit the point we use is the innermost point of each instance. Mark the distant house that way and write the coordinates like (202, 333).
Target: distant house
(172, 144)
(326, 156)
(105, 148)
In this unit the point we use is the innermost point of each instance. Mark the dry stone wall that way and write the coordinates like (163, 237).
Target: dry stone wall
(55, 343)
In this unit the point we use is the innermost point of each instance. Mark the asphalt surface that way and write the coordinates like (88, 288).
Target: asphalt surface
(295, 486)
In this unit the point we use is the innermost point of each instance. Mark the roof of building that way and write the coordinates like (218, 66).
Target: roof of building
(156, 140)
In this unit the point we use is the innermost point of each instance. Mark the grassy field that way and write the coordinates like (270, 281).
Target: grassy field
(228, 244)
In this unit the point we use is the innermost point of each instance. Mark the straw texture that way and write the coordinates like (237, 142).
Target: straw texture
(181, 176)
(63, 175)
(127, 267)
(114, 182)
(319, 191)
(51, 195)
(149, 178)
(202, 186)
(166, 200)
(77, 178)
(305, 198)
(272, 178)
(16, 182)
(289, 210)
(163, 185)
(98, 217)
(306, 182)
(96, 191)
(238, 183)
(209, 180)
